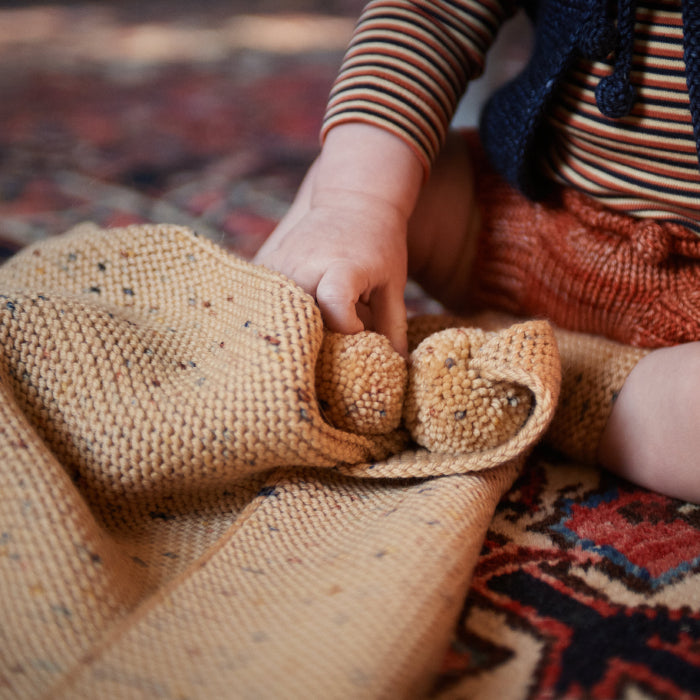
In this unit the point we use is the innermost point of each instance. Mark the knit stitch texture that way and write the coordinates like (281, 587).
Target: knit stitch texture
(179, 517)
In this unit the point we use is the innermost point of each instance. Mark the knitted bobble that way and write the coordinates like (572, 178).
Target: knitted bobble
(615, 96)
(360, 383)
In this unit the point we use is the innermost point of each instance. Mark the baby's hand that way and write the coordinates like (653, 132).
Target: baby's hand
(344, 238)
(349, 252)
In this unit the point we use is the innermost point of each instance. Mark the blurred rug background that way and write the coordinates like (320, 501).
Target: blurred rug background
(207, 114)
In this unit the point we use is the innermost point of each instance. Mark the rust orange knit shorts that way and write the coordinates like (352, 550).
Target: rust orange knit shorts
(584, 267)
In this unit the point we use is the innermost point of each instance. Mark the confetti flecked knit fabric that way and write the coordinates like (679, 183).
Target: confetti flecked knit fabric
(204, 495)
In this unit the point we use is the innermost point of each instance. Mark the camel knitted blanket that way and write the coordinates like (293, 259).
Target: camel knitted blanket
(205, 496)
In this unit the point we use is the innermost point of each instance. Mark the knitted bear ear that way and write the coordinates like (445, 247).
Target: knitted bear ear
(360, 382)
(476, 398)
(479, 393)
(455, 402)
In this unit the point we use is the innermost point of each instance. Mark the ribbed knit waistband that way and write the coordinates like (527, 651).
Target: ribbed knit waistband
(653, 241)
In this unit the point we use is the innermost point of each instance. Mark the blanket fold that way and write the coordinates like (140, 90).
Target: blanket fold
(180, 517)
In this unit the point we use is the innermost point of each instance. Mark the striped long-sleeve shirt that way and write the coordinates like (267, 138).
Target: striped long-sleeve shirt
(408, 65)
(410, 62)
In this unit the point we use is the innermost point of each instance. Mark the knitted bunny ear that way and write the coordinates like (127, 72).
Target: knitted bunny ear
(476, 399)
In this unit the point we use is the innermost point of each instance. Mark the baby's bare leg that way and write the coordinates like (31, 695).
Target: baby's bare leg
(443, 230)
(652, 436)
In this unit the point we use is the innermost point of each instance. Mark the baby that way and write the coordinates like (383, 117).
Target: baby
(579, 202)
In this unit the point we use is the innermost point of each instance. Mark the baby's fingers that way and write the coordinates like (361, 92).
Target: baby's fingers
(389, 316)
(337, 294)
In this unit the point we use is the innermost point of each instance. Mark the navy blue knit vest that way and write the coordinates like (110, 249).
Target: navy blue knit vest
(512, 122)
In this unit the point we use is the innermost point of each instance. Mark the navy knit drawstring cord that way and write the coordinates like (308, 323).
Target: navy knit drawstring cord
(615, 95)
(691, 54)
(598, 36)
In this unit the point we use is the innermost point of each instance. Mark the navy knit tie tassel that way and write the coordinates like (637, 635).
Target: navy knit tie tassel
(615, 95)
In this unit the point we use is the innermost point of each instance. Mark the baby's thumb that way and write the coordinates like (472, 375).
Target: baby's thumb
(337, 294)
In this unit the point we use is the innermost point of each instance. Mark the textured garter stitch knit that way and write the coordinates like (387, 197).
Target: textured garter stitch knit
(179, 518)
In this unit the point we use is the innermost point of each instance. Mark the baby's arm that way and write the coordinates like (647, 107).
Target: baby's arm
(344, 238)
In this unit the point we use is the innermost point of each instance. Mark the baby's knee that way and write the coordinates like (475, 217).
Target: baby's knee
(653, 435)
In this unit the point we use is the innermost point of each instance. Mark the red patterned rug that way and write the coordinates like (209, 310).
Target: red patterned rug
(587, 587)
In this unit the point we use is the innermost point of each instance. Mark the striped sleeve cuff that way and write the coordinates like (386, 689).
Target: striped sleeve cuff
(409, 63)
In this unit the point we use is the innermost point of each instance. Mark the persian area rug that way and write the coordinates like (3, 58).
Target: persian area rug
(583, 586)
